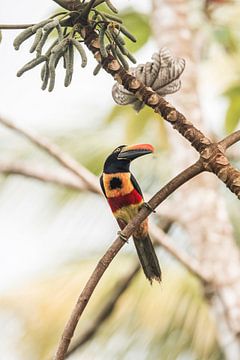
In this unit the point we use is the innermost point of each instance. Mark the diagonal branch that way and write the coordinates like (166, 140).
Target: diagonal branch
(230, 140)
(109, 306)
(64, 159)
(119, 289)
(112, 251)
(42, 174)
(159, 237)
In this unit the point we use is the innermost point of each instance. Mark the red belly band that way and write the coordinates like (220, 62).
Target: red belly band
(118, 202)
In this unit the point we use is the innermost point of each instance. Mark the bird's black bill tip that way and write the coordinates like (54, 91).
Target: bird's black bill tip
(134, 151)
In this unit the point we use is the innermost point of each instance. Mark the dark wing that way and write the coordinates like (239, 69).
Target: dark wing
(102, 186)
(135, 184)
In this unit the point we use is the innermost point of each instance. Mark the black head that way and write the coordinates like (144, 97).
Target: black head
(119, 160)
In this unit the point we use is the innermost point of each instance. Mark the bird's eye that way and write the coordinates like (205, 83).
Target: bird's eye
(118, 149)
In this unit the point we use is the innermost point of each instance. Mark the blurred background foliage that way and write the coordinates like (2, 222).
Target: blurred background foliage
(62, 233)
(145, 332)
(225, 27)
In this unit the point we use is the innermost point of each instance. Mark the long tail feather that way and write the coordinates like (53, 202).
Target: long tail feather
(148, 258)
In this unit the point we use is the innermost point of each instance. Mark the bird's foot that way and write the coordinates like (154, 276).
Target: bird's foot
(122, 236)
(148, 206)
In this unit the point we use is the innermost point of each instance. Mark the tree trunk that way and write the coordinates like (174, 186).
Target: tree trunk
(198, 205)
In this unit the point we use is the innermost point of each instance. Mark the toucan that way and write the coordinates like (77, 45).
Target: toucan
(125, 199)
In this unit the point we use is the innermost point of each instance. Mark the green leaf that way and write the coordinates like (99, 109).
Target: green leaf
(116, 113)
(139, 125)
(226, 37)
(232, 91)
(138, 25)
(135, 127)
(233, 113)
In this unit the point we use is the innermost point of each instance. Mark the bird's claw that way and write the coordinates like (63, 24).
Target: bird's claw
(148, 206)
(122, 236)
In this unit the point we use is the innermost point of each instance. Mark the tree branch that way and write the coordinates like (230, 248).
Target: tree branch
(107, 258)
(230, 140)
(158, 236)
(121, 286)
(41, 174)
(52, 149)
(161, 238)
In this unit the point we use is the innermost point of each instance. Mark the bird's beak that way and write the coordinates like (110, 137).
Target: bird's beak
(132, 152)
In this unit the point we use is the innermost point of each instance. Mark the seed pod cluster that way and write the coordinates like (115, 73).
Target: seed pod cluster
(68, 26)
(62, 47)
(111, 32)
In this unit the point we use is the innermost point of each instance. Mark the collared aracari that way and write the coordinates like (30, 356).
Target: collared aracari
(125, 199)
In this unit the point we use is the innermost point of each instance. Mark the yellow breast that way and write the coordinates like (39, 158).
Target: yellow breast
(117, 184)
(126, 213)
